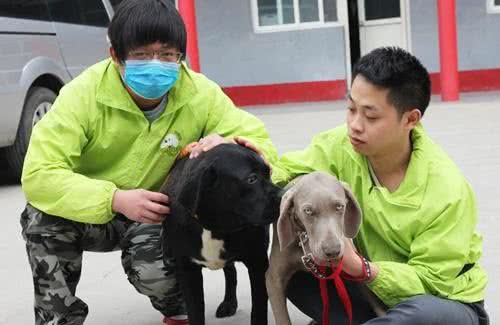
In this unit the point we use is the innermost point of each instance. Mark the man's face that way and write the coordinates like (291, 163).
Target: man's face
(375, 127)
(157, 50)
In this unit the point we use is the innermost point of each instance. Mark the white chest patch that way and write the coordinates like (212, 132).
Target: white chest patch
(211, 250)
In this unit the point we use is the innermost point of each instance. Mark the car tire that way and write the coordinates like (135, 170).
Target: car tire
(38, 101)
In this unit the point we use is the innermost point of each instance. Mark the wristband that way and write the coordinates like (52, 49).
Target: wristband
(367, 272)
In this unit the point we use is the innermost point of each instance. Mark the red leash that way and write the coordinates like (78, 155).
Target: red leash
(341, 290)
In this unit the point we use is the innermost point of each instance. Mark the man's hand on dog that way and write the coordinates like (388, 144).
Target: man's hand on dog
(205, 144)
(213, 140)
(141, 205)
(250, 145)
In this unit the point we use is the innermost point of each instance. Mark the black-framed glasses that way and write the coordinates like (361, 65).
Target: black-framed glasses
(167, 56)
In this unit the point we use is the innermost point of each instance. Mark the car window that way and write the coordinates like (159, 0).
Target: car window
(82, 12)
(36, 10)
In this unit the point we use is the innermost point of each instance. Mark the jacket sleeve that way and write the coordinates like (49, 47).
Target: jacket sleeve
(225, 119)
(318, 156)
(49, 180)
(437, 255)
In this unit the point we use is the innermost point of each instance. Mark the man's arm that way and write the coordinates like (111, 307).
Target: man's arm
(318, 156)
(438, 254)
(49, 181)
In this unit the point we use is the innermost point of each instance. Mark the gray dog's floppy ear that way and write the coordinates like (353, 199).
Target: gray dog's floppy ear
(352, 216)
(286, 236)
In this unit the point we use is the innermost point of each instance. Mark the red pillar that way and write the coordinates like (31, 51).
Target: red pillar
(448, 50)
(188, 13)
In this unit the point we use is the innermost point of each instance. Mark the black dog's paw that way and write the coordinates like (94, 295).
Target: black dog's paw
(226, 308)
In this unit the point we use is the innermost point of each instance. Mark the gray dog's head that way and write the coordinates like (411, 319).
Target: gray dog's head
(325, 209)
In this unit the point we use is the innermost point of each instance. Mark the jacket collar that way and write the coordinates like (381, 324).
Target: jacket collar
(412, 190)
(112, 92)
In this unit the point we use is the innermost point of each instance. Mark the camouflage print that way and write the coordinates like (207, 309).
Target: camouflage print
(55, 246)
(142, 260)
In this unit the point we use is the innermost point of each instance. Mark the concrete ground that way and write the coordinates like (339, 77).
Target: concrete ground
(468, 130)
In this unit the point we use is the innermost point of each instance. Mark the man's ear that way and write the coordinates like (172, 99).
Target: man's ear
(112, 53)
(412, 118)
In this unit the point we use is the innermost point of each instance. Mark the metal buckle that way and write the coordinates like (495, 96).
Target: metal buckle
(308, 258)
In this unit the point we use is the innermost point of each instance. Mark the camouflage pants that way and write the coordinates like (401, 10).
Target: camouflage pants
(55, 247)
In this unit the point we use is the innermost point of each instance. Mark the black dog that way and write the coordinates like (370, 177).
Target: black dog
(221, 205)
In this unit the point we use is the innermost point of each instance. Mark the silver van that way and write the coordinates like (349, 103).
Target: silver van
(43, 45)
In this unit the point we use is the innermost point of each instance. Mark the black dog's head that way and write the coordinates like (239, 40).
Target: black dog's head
(228, 188)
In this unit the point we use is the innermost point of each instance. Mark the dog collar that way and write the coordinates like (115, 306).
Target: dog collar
(186, 150)
(308, 259)
(315, 269)
(319, 272)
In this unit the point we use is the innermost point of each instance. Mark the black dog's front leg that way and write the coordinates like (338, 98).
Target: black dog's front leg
(229, 305)
(191, 283)
(257, 267)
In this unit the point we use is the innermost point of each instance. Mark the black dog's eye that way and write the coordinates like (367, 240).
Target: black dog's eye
(252, 178)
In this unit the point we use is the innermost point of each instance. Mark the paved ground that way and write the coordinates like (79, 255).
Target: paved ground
(468, 130)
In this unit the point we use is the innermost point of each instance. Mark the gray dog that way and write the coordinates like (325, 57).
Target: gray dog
(323, 212)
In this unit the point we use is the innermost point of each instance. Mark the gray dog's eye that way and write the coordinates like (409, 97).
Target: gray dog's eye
(252, 178)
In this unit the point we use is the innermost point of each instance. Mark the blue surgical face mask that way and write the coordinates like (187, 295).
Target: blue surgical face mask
(150, 79)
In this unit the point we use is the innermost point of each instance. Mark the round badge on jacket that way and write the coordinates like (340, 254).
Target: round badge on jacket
(171, 143)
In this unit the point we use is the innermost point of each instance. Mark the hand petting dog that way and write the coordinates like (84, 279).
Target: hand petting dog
(206, 143)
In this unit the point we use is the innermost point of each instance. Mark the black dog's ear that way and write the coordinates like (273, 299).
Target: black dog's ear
(197, 179)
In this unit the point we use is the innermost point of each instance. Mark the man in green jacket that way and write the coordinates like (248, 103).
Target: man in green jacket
(419, 213)
(96, 160)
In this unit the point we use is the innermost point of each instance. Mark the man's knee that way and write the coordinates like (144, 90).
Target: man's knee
(158, 282)
(142, 261)
(428, 309)
(416, 310)
(152, 278)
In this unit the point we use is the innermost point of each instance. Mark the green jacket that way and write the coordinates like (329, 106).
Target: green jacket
(95, 140)
(421, 235)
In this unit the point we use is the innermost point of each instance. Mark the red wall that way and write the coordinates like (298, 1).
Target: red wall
(474, 80)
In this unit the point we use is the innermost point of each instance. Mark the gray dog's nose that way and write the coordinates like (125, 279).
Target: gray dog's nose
(331, 250)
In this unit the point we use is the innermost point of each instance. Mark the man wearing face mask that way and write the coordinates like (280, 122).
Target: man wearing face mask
(96, 160)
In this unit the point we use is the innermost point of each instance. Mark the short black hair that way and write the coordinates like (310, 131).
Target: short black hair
(142, 22)
(399, 71)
